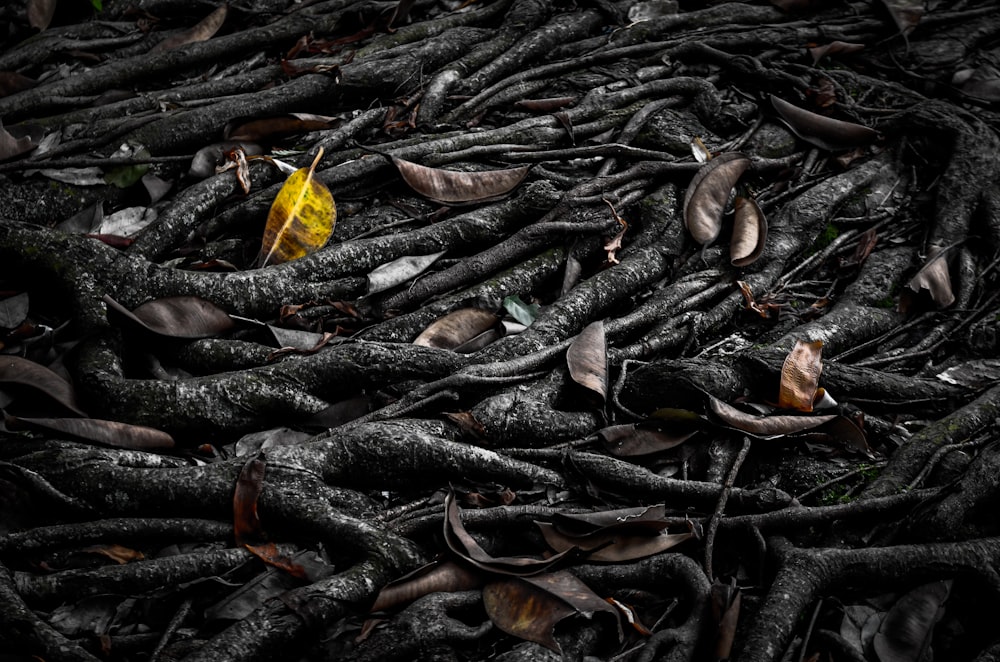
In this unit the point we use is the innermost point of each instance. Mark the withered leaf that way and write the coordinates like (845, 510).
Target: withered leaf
(825, 132)
(15, 370)
(14, 310)
(108, 433)
(451, 187)
(466, 547)
(588, 360)
(765, 426)
(545, 105)
(611, 546)
(800, 376)
(934, 278)
(202, 31)
(456, 328)
(645, 519)
(116, 553)
(905, 13)
(634, 439)
(40, 13)
(11, 146)
(260, 129)
(210, 157)
(726, 611)
(430, 578)
(177, 317)
(532, 607)
(749, 232)
(399, 271)
(907, 627)
(708, 193)
(834, 48)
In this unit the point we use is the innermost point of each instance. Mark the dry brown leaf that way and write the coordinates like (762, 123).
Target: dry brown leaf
(456, 328)
(264, 129)
(451, 187)
(800, 376)
(15, 370)
(11, 146)
(108, 433)
(40, 13)
(177, 317)
(834, 48)
(545, 105)
(825, 132)
(726, 610)
(116, 553)
(749, 232)
(611, 546)
(12, 82)
(202, 31)
(708, 194)
(588, 360)
(431, 578)
(247, 529)
(934, 278)
(905, 632)
(633, 439)
(905, 13)
(765, 426)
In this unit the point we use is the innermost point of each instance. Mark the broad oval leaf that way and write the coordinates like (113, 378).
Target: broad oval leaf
(451, 187)
(907, 627)
(108, 433)
(177, 317)
(708, 193)
(202, 31)
(456, 328)
(800, 376)
(612, 546)
(430, 578)
(765, 426)
(587, 359)
(301, 219)
(15, 370)
(934, 278)
(399, 271)
(631, 440)
(749, 233)
(825, 132)
(257, 129)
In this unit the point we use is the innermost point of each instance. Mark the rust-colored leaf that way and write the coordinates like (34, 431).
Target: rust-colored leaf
(765, 426)
(456, 328)
(708, 194)
(825, 132)
(800, 376)
(116, 553)
(907, 628)
(834, 48)
(247, 529)
(40, 13)
(749, 232)
(587, 359)
(108, 433)
(202, 31)
(434, 577)
(466, 547)
(177, 317)
(261, 129)
(301, 219)
(531, 607)
(634, 439)
(934, 278)
(451, 187)
(611, 546)
(726, 611)
(15, 370)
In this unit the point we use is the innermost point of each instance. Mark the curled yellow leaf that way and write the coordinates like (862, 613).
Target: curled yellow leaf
(301, 219)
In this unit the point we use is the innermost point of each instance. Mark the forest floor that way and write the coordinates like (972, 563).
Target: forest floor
(644, 331)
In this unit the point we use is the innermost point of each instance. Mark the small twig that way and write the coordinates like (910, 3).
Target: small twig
(175, 623)
(727, 486)
(809, 630)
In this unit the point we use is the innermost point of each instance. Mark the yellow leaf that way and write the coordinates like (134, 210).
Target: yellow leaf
(301, 219)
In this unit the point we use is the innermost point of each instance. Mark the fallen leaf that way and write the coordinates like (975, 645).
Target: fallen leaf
(14, 310)
(263, 129)
(456, 328)
(905, 13)
(908, 626)
(765, 426)
(635, 439)
(11, 146)
(116, 553)
(177, 317)
(749, 232)
(708, 194)
(92, 176)
(545, 105)
(451, 187)
(108, 433)
(699, 151)
(399, 271)
(587, 359)
(12, 82)
(127, 222)
(834, 48)
(726, 611)
(612, 546)
(640, 519)
(825, 132)
(521, 311)
(466, 547)
(973, 374)
(210, 157)
(202, 31)
(800, 376)
(15, 370)
(934, 278)
(431, 578)
(301, 219)
(531, 608)
(40, 13)
(156, 187)
(247, 529)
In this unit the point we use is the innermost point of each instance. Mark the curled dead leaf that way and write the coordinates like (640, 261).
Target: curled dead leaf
(107, 433)
(800, 376)
(708, 194)
(177, 317)
(16, 370)
(934, 278)
(456, 328)
(825, 132)
(749, 232)
(633, 439)
(765, 426)
(834, 48)
(451, 187)
(588, 361)
(430, 578)
(202, 31)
